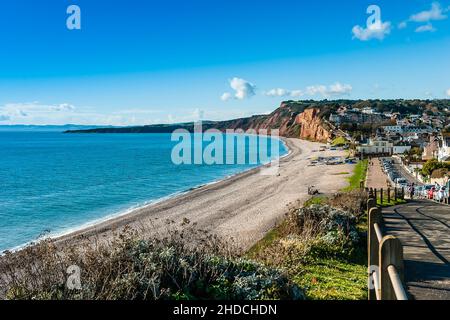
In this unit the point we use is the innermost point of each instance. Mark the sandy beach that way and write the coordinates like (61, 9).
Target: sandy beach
(244, 207)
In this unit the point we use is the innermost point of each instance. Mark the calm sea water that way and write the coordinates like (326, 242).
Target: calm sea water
(51, 183)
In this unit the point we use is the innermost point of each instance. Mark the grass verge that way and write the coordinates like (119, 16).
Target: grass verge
(359, 174)
(390, 203)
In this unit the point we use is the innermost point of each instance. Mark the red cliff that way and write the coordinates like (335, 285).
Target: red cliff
(312, 126)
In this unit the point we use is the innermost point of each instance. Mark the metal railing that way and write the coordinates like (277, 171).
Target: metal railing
(385, 260)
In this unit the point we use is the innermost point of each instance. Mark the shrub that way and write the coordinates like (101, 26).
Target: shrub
(440, 173)
(315, 231)
(331, 224)
(354, 202)
(183, 265)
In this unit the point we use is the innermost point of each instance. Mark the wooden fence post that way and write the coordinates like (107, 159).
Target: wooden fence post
(389, 195)
(395, 194)
(381, 196)
(390, 253)
(375, 194)
(371, 203)
(373, 246)
(403, 193)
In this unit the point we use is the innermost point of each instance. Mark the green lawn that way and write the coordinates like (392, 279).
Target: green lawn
(390, 203)
(359, 174)
(339, 141)
(332, 279)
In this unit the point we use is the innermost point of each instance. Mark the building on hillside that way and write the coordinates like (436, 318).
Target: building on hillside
(431, 149)
(375, 146)
(400, 149)
(444, 147)
(393, 129)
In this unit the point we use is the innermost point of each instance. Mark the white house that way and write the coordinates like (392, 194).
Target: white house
(376, 146)
(393, 129)
(444, 148)
(400, 149)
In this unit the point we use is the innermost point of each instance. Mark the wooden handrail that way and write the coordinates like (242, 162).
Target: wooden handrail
(396, 281)
(385, 259)
(378, 232)
(376, 285)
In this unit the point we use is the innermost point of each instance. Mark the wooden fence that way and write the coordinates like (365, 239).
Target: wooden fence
(385, 259)
(386, 194)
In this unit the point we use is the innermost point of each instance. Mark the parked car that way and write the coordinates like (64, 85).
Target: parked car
(440, 193)
(419, 191)
(401, 182)
(425, 191)
(431, 193)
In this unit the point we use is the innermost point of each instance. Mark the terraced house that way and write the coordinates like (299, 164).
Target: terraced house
(444, 147)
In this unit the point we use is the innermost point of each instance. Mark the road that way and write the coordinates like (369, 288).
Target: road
(405, 174)
(423, 227)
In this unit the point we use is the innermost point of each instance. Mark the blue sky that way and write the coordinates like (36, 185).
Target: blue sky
(139, 62)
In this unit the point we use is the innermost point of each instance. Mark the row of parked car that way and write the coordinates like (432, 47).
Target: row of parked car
(387, 164)
(434, 192)
(431, 191)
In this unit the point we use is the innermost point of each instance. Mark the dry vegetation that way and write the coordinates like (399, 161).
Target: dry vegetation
(186, 264)
(297, 260)
(321, 247)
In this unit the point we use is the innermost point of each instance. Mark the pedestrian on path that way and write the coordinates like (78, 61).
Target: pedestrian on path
(412, 191)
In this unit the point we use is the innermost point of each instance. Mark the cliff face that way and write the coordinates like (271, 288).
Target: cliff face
(311, 126)
(282, 119)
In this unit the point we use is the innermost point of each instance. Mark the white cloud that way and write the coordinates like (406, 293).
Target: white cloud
(243, 89)
(278, 92)
(448, 92)
(23, 109)
(336, 89)
(374, 31)
(316, 89)
(37, 113)
(63, 107)
(435, 13)
(425, 28)
(226, 96)
(297, 93)
(58, 114)
(198, 114)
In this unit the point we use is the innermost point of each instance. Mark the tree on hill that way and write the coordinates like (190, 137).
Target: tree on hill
(433, 164)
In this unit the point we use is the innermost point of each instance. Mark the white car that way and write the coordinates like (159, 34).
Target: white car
(401, 182)
(440, 194)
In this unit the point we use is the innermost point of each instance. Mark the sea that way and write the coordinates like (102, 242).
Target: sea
(53, 183)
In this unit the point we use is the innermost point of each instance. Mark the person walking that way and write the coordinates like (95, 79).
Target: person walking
(412, 191)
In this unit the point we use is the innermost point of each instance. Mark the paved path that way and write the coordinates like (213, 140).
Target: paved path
(405, 174)
(423, 227)
(376, 178)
